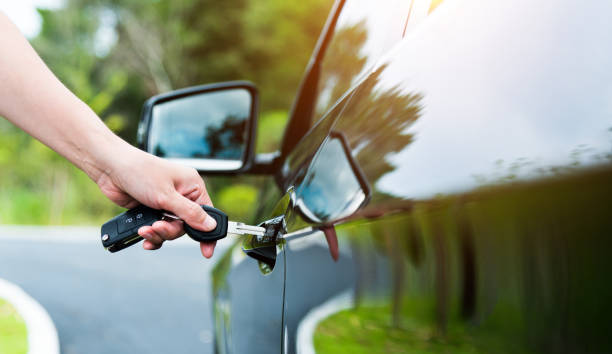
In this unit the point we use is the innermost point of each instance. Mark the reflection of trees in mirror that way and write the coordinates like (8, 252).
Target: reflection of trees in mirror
(321, 213)
(228, 140)
(159, 151)
(332, 186)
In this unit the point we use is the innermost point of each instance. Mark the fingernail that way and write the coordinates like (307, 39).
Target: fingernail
(210, 223)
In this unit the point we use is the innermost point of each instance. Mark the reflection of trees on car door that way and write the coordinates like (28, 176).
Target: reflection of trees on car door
(375, 118)
(374, 121)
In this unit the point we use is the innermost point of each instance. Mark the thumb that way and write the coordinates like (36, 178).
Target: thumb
(191, 212)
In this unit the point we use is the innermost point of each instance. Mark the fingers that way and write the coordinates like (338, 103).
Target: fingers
(203, 198)
(207, 248)
(159, 232)
(168, 230)
(192, 193)
(185, 202)
(191, 212)
(148, 233)
(196, 192)
(150, 246)
(199, 194)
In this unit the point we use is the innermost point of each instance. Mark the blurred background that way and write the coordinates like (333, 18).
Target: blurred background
(114, 54)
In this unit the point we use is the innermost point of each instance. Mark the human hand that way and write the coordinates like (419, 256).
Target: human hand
(140, 178)
(37, 102)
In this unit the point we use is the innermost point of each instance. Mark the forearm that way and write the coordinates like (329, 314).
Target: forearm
(35, 100)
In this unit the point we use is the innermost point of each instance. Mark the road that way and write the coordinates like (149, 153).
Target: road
(134, 301)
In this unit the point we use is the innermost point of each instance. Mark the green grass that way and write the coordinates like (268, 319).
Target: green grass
(368, 329)
(13, 333)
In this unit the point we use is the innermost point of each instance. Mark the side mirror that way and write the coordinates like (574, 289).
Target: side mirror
(209, 127)
(333, 186)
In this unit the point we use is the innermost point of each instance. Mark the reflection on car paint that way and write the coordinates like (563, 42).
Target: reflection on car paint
(376, 27)
(486, 139)
(265, 248)
(498, 188)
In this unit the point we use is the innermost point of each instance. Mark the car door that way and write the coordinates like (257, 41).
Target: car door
(316, 268)
(262, 272)
(488, 168)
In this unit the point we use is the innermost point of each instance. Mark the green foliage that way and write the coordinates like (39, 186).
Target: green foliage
(39, 187)
(279, 37)
(237, 200)
(13, 331)
(270, 130)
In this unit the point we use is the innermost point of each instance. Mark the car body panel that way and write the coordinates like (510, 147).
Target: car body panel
(484, 132)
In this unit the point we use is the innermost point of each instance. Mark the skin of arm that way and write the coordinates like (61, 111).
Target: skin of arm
(32, 98)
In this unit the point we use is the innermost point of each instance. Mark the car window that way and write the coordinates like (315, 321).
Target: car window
(364, 31)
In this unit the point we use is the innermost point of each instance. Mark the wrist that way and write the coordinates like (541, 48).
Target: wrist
(104, 153)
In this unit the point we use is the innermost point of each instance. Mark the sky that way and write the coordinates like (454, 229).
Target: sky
(23, 13)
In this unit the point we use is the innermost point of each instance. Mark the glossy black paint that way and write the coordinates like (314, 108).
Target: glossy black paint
(483, 130)
(249, 286)
(248, 304)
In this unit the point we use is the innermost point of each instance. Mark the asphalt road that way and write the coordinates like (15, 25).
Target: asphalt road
(134, 301)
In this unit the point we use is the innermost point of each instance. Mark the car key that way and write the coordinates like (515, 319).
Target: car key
(122, 231)
(224, 227)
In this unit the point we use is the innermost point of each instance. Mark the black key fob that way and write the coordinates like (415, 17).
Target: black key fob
(218, 233)
(122, 230)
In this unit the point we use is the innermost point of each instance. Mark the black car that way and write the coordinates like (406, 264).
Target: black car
(443, 183)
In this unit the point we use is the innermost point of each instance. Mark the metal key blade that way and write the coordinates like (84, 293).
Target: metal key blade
(239, 228)
(167, 215)
(233, 227)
